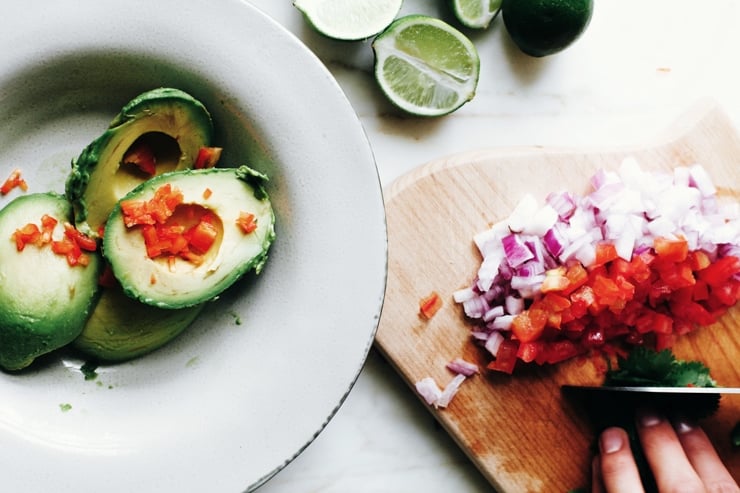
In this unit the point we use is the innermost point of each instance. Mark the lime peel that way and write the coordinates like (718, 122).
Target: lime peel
(349, 20)
(545, 27)
(425, 66)
(476, 14)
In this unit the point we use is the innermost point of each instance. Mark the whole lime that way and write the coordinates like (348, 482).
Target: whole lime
(544, 27)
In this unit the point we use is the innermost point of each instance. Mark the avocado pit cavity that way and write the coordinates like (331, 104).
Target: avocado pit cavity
(150, 154)
(182, 235)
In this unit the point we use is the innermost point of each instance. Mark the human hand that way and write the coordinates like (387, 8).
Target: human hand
(681, 457)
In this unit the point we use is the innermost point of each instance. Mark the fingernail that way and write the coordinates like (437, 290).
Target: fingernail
(611, 440)
(683, 425)
(647, 418)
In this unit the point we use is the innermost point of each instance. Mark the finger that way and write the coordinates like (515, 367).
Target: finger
(597, 484)
(703, 456)
(665, 454)
(618, 470)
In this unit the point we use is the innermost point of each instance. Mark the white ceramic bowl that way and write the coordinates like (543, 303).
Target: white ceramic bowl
(258, 376)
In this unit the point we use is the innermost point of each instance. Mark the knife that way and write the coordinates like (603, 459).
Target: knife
(607, 401)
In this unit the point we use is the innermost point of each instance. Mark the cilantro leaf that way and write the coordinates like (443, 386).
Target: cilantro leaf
(647, 367)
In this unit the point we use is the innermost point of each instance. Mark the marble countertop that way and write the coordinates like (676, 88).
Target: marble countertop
(637, 68)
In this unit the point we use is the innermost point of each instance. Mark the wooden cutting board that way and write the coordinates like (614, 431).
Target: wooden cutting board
(518, 430)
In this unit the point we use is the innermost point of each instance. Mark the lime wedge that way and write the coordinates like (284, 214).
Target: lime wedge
(349, 20)
(476, 14)
(425, 66)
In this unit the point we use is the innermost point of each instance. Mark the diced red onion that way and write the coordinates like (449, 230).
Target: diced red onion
(522, 213)
(429, 390)
(563, 202)
(514, 305)
(699, 178)
(554, 242)
(463, 295)
(494, 343)
(450, 390)
(516, 252)
(463, 367)
(502, 323)
(475, 307)
(494, 312)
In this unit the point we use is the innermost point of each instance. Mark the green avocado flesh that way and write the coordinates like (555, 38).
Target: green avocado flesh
(45, 301)
(176, 283)
(169, 123)
(122, 328)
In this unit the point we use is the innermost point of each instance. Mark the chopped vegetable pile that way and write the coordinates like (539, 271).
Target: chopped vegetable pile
(72, 245)
(642, 258)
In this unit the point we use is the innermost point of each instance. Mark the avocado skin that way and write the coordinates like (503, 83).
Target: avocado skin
(145, 105)
(121, 328)
(44, 301)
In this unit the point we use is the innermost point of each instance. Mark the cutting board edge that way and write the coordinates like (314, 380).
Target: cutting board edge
(702, 109)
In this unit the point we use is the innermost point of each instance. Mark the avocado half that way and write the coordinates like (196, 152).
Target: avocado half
(45, 301)
(175, 282)
(122, 328)
(169, 123)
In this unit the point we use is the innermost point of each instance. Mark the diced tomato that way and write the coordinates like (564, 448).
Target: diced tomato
(530, 351)
(664, 341)
(577, 277)
(156, 210)
(203, 235)
(142, 156)
(506, 357)
(28, 234)
(247, 222)
(555, 280)
(48, 224)
(698, 260)
(670, 249)
(653, 298)
(555, 352)
(164, 236)
(430, 305)
(605, 253)
(529, 325)
(720, 270)
(207, 193)
(15, 180)
(70, 246)
(207, 157)
(80, 239)
(107, 279)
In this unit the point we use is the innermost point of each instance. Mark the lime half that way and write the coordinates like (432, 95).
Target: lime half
(349, 20)
(476, 14)
(425, 66)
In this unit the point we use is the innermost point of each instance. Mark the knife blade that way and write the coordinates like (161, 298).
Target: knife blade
(651, 389)
(606, 402)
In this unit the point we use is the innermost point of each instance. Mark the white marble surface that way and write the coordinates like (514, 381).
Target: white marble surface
(637, 68)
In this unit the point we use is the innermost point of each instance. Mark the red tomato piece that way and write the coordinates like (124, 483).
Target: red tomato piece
(15, 180)
(208, 157)
(506, 357)
(674, 250)
(430, 305)
(202, 236)
(720, 270)
(142, 156)
(605, 253)
(246, 222)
